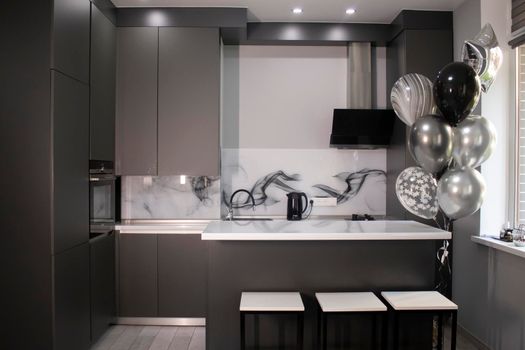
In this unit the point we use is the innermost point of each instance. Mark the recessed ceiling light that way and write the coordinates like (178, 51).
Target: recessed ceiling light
(297, 10)
(350, 11)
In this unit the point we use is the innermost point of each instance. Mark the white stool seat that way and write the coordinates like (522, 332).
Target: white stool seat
(350, 302)
(272, 301)
(418, 301)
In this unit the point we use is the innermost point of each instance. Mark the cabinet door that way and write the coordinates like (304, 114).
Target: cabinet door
(102, 86)
(71, 294)
(182, 275)
(138, 275)
(102, 271)
(71, 38)
(189, 86)
(137, 101)
(70, 111)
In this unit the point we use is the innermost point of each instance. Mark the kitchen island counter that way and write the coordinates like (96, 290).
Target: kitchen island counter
(321, 230)
(314, 256)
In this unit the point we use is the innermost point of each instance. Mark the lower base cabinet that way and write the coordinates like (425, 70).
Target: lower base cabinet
(162, 275)
(138, 275)
(103, 297)
(182, 268)
(72, 314)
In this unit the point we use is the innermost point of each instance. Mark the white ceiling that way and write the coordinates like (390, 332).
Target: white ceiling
(368, 11)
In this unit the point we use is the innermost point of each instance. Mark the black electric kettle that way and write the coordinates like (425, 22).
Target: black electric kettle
(295, 205)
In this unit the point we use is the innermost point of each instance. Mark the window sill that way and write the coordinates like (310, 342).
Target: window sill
(495, 243)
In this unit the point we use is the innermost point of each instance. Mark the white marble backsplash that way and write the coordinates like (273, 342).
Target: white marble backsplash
(170, 197)
(356, 178)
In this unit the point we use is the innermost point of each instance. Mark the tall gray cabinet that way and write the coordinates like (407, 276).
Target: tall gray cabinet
(168, 88)
(45, 145)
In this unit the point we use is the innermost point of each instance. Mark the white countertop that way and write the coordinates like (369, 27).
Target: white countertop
(321, 230)
(162, 226)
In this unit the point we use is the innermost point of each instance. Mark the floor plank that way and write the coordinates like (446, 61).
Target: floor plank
(145, 338)
(198, 341)
(182, 338)
(127, 338)
(108, 339)
(164, 338)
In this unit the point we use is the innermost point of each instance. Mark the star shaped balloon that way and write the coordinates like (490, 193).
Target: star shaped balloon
(484, 55)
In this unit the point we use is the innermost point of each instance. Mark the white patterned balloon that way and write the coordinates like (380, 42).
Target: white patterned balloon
(412, 97)
(416, 190)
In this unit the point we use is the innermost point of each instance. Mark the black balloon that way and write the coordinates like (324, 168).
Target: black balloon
(456, 91)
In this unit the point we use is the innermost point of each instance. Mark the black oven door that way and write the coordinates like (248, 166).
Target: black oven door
(103, 190)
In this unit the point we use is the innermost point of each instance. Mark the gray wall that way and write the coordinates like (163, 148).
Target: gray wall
(487, 284)
(470, 260)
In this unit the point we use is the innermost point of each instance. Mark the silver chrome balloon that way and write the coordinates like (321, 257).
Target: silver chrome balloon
(416, 190)
(474, 141)
(412, 97)
(484, 55)
(430, 143)
(460, 192)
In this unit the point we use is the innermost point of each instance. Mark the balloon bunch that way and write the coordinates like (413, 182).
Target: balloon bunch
(445, 140)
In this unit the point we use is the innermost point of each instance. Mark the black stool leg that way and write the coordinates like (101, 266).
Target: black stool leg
(384, 331)
(374, 330)
(454, 329)
(325, 335)
(440, 332)
(243, 338)
(318, 327)
(300, 329)
(396, 330)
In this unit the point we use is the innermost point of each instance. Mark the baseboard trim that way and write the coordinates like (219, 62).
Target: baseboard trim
(162, 321)
(474, 340)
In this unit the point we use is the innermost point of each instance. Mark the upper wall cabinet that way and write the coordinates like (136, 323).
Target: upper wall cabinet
(189, 86)
(137, 55)
(168, 88)
(102, 86)
(71, 38)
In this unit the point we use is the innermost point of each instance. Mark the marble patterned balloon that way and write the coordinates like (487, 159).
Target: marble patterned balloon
(412, 98)
(416, 190)
(484, 55)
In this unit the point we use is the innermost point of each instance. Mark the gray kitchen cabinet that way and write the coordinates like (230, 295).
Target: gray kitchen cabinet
(70, 106)
(188, 101)
(182, 270)
(71, 299)
(137, 275)
(102, 274)
(70, 54)
(102, 86)
(136, 106)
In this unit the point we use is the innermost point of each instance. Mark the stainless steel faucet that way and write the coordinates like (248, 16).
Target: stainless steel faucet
(230, 208)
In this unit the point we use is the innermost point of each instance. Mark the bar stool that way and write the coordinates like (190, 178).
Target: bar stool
(430, 302)
(350, 303)
(254, 303)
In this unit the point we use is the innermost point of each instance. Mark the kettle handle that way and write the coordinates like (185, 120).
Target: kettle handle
(306, 200)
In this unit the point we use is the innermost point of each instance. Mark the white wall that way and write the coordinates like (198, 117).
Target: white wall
(498, 106)
(284, 96)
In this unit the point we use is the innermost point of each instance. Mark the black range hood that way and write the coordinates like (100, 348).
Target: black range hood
(362, 128)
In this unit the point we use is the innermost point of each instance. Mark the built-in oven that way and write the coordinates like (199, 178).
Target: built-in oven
(104, 191)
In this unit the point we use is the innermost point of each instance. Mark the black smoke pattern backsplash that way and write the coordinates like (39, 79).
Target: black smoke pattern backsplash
(354, 182)
(279, 179)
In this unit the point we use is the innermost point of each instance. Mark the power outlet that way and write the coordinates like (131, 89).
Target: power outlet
(324, 201)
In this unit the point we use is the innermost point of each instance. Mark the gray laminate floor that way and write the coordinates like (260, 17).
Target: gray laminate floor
(152, 338)
(189, 338)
